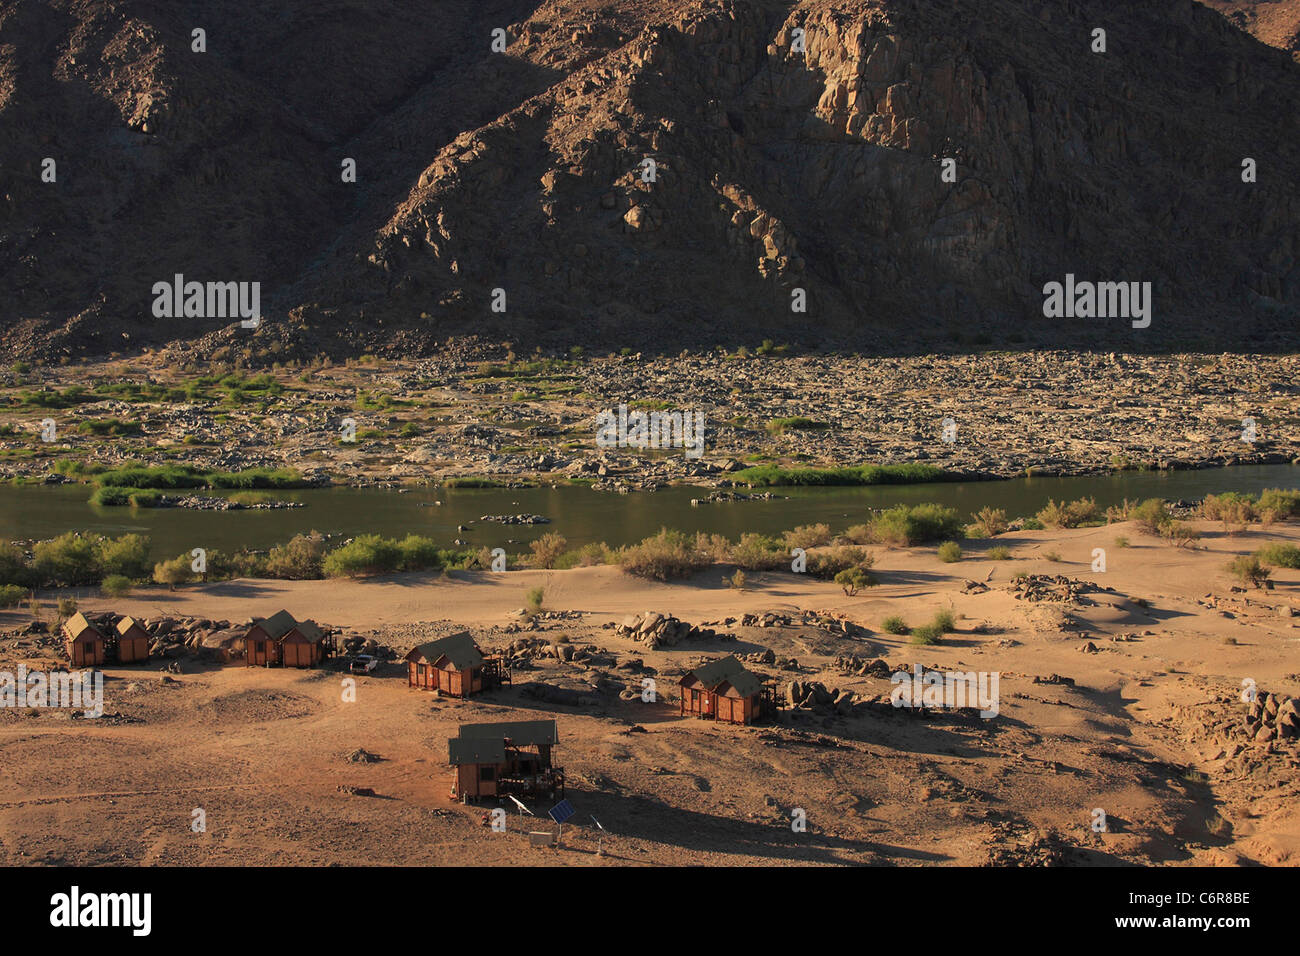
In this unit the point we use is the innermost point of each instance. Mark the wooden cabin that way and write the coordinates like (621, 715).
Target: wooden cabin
(456, 666)
(128, 643)
(511, 757)
(303, 645)
(262, 642)
(84, 642)
(725, 690)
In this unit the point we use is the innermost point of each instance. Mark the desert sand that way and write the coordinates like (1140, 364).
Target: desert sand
(1151, 731)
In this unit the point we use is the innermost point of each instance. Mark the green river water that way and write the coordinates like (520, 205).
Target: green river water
(581, 515)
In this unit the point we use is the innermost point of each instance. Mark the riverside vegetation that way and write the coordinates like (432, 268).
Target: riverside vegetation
(116, 564)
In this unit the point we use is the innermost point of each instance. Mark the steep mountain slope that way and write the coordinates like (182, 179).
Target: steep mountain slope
(775, 170)
(1275, 22)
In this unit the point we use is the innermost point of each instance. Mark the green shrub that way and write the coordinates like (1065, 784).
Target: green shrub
(1230, 508)
(999, 553)
(1070, 515)
(1248, 569)
(67, 607)
(763, 476)
(418, 553)
(826, 564)
(926, 634)
(364, 554)
(1280, 555)
(893, 625)
(68, 560)
(547, 549)
(661, 557)
(1181, 534)
(173, 572)
(1283, 503)
(905, 525)
(757, 552)
(1151, 515)
(944, 621)
(127, 556)
(853, 580)
(1052, 556)
(808, 536)
(990, 522)
(594, 553)
(535, 597)
(13, 564)
(302, 558)
(116, 585)
(950, 552)
(1032, 524)
(11, 595)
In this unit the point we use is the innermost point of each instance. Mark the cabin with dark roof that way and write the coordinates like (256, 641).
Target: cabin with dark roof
(128, 643)
(303, 645)
(84, 642)
(262, 642)
(509, 757)
(725, 690)
(456, 666)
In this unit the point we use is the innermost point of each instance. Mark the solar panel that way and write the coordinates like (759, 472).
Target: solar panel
(561, 811)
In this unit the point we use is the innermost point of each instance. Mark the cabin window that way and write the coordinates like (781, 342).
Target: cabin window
(487, 773)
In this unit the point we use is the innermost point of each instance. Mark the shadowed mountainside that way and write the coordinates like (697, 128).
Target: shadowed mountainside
(775, 170)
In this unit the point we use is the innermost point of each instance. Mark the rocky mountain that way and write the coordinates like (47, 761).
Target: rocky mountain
(1275, 22)
(796, 148)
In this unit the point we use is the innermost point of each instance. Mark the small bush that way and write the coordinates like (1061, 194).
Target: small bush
(67, 607)
(11, 595)
(853, 580)
(944, 621)
(990, 522)
(1052, 556)
(1280, 555)
(1121, 541)
(1151, 516)
(999, 553)
(1283, 503)
(830, 562)
(926, 634)
(1032, 524)
(662, 557)
(364, 554)
(547, 549)
(1070, 515)
(1181, 534)
(808, 536)
(68, 560)
(116, 585)
(757, 552)
(173, 572)
(1248, 569)
(13, 564)
(906, 525)
(950, 552)
(127, 555)
(595, 553)
(893, 625)
(535, 597)
(736, 581)
(301, 559)
(1120, 512)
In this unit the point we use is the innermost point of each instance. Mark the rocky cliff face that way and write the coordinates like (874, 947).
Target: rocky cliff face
(776, 168)
(1275, 22)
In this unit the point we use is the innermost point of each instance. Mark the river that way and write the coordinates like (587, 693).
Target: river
(578, 513)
